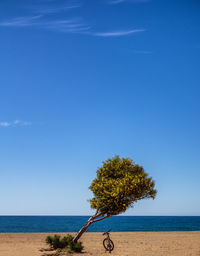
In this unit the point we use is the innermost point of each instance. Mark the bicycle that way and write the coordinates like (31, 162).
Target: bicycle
(107, 242)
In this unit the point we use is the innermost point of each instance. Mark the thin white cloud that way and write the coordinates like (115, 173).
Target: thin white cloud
(56, 9)
(118, 33)
(4, 124)
(142, 52)
(67, 26)
(130, 1)
(15, 123)
(74, 25)
(116, 1)
(21, 21)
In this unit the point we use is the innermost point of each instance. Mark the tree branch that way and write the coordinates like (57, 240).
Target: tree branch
(96, 216)
(100, 218)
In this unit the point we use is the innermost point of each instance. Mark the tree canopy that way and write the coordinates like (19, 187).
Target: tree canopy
(119, 184)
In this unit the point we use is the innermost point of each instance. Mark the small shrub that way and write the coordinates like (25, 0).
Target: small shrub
(66, 240)
(76, 247)
(56, 242)
(49, 240)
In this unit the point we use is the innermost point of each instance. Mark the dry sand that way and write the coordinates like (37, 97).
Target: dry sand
(126, 243)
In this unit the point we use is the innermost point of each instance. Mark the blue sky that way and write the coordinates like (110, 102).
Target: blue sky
(82, 81)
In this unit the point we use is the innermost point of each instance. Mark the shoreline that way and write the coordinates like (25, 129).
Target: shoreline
(156, 243)
(97, 232)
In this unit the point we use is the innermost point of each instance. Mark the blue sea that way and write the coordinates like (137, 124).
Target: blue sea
(29, 224)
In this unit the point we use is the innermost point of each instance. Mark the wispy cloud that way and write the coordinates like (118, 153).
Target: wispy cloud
(116, 1)
(118, 33)
(130, 1)
(15, 123)
(57, 8)
(142, 52)
(4, 124)
(21, 21)
(74, 25)
(43, 18)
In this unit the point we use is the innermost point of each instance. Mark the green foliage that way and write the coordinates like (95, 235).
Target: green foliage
(66, 240)
(119, 184)
(76, 247)
(49, 240)
(56, 242)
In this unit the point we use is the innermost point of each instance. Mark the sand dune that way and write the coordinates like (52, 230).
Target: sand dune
(126, 244)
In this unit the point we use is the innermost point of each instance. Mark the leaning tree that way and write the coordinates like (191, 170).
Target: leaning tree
(119, 184)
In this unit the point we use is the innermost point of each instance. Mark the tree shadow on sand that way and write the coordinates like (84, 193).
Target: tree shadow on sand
(49, 252)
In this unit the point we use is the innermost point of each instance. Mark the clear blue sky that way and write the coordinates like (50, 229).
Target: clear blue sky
(81, 81)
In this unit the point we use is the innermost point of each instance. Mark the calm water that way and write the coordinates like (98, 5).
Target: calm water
(117, 223)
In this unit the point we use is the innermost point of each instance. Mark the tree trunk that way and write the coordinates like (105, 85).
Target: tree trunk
(91, 220)
(82, 230)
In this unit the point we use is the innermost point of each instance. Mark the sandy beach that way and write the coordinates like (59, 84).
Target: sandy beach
(126, 243)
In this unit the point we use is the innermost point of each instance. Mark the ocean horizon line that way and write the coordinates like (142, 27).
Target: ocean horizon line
(62, 215)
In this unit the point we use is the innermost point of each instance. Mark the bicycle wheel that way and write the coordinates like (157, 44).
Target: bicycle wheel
(108, 244)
